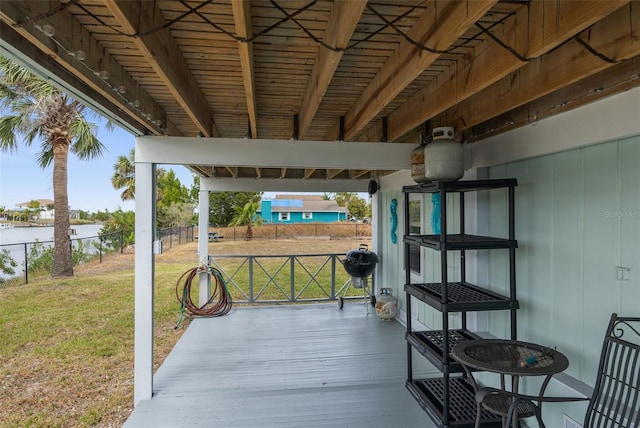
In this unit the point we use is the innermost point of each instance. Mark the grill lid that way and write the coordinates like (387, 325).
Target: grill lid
(360, 262)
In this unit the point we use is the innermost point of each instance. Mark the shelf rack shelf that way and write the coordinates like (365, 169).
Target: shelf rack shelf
(449, 400)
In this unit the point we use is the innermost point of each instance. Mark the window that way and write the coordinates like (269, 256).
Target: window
(283, 216)
(307, 216)
(415, 228)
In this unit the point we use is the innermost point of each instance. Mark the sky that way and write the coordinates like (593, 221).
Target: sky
(89, 185)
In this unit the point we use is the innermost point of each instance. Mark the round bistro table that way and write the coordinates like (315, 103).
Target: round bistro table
(508, 358)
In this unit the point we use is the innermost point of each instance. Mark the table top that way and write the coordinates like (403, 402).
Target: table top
(510, 357)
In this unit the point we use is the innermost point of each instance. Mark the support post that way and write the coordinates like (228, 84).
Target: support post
(144, 282)
(204, 279)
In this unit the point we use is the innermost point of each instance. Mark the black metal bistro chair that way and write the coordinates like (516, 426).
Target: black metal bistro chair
(615, 402)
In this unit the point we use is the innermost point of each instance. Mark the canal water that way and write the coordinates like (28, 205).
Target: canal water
(20, 235)
(17, 242)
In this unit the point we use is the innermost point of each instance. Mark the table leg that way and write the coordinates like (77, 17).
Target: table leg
(515, 380)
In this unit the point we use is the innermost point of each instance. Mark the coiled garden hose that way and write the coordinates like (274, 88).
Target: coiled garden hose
(218, 304)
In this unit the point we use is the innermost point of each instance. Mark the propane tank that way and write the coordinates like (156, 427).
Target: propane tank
(417, 164)
(444, 156)
(386, 305)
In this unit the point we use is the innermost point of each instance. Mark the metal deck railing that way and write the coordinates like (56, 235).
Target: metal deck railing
(285, 278)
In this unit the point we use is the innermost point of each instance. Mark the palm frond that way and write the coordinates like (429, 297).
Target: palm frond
(45, 156)
(7, 135)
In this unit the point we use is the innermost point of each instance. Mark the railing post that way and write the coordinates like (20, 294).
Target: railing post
(100, 250)
(251, 299)
(121, 241)
(26, 265)
(333, 276)
(293, 278)
(276, 231)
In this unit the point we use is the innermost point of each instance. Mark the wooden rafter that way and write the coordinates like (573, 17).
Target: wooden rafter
(308, 173)
(494, 61)
(70, 37)
(232, 170)
(163, 55)
(442, 23)
(242, 19)
(283, 173)
(355, 174)
(345, 16)
(258, 172)
(331, 173)
(556, 70)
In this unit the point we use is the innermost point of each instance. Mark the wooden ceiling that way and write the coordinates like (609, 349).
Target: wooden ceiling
(353, 70)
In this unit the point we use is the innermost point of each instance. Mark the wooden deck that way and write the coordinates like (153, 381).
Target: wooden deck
(286, 366)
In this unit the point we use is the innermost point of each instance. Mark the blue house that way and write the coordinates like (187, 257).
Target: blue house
(301, 209)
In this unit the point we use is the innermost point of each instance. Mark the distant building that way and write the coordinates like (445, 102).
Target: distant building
(46, 208)
(301, 209)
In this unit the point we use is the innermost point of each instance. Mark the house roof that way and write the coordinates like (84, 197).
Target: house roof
(43, 203)
(305, 203)
(320, 70)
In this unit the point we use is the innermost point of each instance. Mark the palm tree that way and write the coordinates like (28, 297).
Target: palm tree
(246, 215)
(124, 177)
(34, 109)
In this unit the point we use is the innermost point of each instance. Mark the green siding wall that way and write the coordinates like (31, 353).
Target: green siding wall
(577, 219)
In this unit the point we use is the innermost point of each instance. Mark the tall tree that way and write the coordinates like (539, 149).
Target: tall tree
(33, 109)
(343, 199)
(357, 207)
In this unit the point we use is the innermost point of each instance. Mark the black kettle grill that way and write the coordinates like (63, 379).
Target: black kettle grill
(359, 263)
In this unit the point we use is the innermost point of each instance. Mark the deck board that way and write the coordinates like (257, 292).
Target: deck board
(286, 366)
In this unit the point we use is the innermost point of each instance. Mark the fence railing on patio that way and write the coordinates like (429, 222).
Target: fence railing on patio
(285, 278)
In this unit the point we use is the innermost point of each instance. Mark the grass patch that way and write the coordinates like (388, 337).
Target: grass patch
(67, 344)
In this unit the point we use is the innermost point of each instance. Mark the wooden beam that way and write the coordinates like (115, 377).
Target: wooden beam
(283, 173)
(354, 174)
(345, 15)
(258, 172)
(162, 53)
(232, 170)
(333, 172)
(70, 37)
(50, 69)
(442, 23)
(242, 19)
(494, 62)
(308, 173)
(617, 37)
(613, 80)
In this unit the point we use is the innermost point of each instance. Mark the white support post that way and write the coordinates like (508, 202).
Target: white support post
(203, 246)
(377, 220)
(144, 282)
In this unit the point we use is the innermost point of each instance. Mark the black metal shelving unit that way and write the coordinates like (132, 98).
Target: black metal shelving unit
(449, 399)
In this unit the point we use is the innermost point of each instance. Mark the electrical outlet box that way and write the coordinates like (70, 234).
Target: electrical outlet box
(623, 273)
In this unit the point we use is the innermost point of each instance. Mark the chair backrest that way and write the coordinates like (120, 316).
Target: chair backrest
(616, 397)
